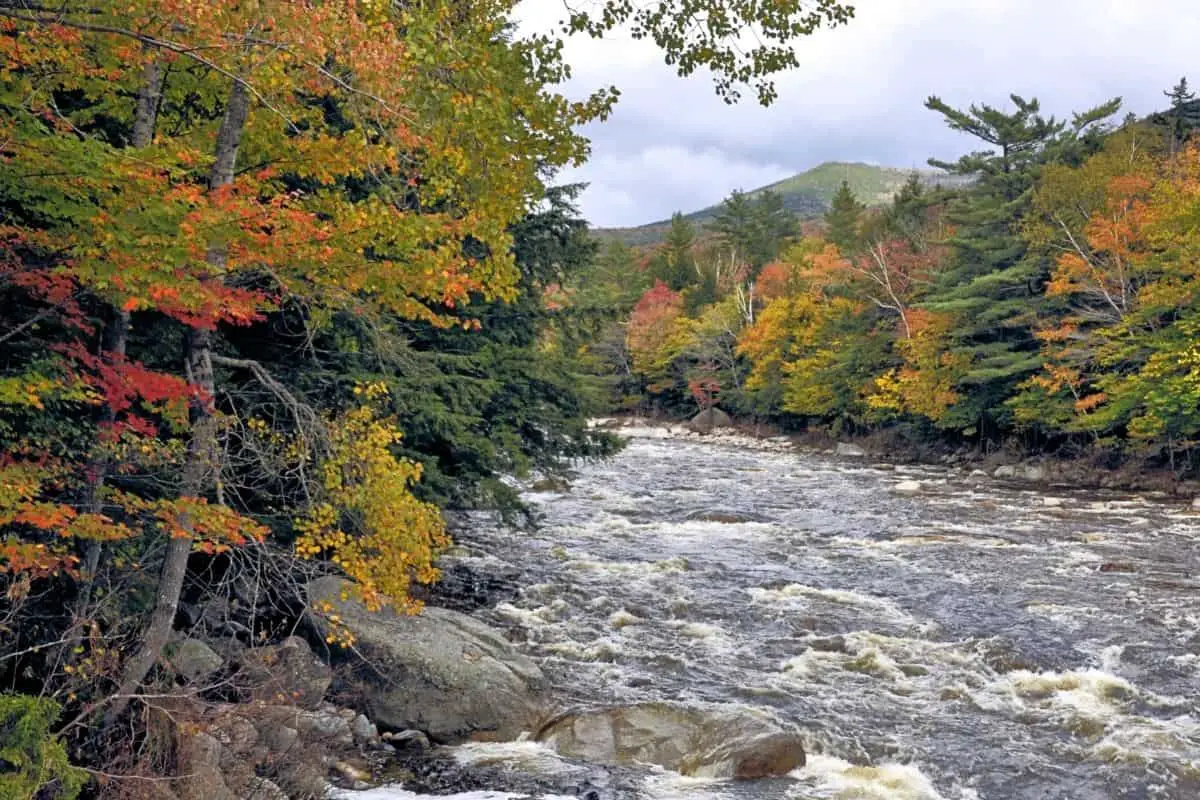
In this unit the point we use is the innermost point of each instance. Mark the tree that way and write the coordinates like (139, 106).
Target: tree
(1180, 96)
(753, 229)
(843, 219)
(710, 35)
(991, 284)
(675, 264)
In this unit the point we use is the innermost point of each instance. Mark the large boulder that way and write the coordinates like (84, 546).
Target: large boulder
(848, 450)
(440, 671)
(708, 419)
(737, 743)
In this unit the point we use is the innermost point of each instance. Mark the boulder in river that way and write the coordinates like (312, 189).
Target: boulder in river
(908, 487)
(849, 450)
(718, 743)
(708, 419)
(440, 671)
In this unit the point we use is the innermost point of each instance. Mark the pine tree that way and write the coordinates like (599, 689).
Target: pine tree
(675, 265)
(1180, 96)
(992, 285)
(844, 218)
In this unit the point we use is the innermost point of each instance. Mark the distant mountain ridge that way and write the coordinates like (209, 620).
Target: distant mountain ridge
(806, 194)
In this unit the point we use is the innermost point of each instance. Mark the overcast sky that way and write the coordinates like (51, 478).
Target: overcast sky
(859, 92)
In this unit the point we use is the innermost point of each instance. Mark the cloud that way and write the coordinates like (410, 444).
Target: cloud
(859, 91)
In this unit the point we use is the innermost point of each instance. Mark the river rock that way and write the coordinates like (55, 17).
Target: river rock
(285, 673)
(194, 660)
(440, 671)
(737, 743)
(708, 419)
(1196, 503)
(908, 487)
(849, 450)
(1005, 471)
(472, 580)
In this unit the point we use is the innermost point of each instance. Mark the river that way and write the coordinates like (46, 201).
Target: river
(972, 640)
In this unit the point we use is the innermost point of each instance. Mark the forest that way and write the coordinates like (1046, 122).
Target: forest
(1049, 304)
(283, 285)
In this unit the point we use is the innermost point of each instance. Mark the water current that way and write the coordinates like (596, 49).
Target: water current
(973, 640)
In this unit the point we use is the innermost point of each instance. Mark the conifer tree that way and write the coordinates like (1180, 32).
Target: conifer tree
(843, 218)
(992, 285)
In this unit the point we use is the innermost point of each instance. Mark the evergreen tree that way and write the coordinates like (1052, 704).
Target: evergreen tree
(675, 265)
(1180, 96)
(754, 229)
(844, 218)
(992, 285)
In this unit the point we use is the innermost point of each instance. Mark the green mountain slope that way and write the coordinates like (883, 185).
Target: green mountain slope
(807, 195)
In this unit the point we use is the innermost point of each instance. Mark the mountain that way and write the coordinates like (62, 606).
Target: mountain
(807, 195)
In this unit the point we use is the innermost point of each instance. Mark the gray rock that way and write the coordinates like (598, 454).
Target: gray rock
(364, 730)
(738, 743)
(849, 450)
(709, 419)
(199, 766)
(285, 673)
(263, 789)
(908, 487)
(1005, 471)
(1053, 502)
(440, 671)
(1032, 472)
(1196, 504)
(279, 738)
(194, 660)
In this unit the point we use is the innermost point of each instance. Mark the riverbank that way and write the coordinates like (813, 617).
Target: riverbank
(1098, 470)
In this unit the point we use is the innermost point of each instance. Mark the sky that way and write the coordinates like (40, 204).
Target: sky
(859, 92)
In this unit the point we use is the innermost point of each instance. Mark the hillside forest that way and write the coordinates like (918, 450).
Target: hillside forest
(284, 285)
(1045, 300)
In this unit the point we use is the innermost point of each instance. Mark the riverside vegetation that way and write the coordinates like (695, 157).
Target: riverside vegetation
(1045, 303)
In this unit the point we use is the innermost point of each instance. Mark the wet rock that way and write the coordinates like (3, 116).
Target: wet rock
(194, 660)
(710, 419)
(1032, 472)
(473, 580)
(550, 484)
(407, 740)
(908, 487)
(1005, 472)
(440, 672)
(1196, 503)
(737, 743)
(1114, 566)
(849, 450)
(288, 672)
(1053, 502)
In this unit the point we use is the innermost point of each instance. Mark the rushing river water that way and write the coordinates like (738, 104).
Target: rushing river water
(970, 640)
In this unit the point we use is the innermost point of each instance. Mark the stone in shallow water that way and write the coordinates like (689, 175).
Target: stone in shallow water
(907, 487)
(718, 743)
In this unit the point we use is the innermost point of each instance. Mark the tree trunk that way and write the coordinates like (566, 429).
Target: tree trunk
(201, 465)
(113, 344)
